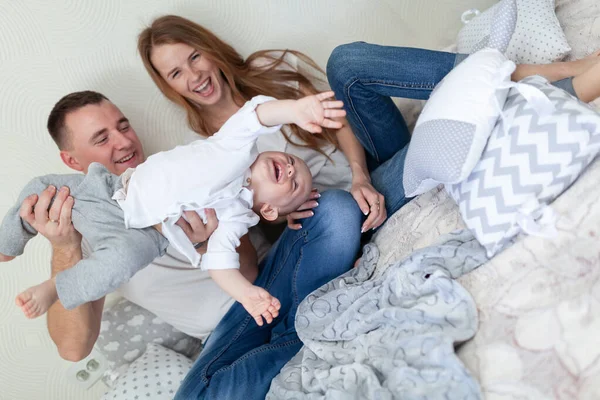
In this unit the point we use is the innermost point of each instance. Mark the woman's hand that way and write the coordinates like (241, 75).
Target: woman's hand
(314, 112)
(304, 211)
(195, 229)
(53, 223)
(370, 201)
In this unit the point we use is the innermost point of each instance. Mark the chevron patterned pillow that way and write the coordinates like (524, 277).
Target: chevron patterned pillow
(526, 165)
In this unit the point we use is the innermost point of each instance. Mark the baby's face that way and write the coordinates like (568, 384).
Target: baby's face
(281, 180)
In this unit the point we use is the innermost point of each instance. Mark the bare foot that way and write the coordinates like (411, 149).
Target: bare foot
(36, 300)
(5, 258)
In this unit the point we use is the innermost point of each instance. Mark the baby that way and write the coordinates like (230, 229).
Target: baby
(224, 172)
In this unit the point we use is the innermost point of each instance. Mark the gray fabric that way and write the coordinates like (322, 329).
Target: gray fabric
(502, 28)
(527, 164)
(118, 253)
(388, 336)
(438, 150)
(566, 85)
(127, 329)
(460, 58)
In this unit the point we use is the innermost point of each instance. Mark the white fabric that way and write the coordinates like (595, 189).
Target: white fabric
(471, 95)
(537, 39)
(204, 174)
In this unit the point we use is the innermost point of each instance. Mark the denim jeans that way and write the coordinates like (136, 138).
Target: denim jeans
(364, 76)
(239, 358)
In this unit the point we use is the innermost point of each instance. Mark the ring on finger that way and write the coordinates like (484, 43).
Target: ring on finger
(54, 221)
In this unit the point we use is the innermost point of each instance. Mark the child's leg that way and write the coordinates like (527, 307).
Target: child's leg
(5, 258)
(36, 300)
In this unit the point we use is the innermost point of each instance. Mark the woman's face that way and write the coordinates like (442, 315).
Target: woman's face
(189, 73)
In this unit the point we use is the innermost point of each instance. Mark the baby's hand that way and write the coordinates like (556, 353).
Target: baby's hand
(313, 112)
(260, 304)
(5, 258)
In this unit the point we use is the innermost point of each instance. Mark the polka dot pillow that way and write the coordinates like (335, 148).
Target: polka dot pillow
(455, 123)
(536, 36)
(156, 375)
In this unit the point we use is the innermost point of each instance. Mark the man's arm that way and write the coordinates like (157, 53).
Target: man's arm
(248, 259)
(74, 332)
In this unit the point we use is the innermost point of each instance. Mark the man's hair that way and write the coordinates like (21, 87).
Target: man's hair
(69, 103)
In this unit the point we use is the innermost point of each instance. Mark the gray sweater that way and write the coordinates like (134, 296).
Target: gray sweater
(118, 253)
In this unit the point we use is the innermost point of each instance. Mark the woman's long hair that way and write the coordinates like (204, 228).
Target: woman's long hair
(244, 77)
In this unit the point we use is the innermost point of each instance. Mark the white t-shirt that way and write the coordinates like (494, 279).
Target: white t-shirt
(175, 291)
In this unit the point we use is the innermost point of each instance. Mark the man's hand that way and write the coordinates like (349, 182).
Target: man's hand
(54, 222)
(195, 229)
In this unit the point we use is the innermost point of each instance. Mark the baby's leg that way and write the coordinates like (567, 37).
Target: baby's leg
(36, 300)
(5, 258)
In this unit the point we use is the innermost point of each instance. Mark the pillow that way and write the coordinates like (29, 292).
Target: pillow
(530, 159)
(453, 127)
(537, 37)
(125, 331)
(156, 375)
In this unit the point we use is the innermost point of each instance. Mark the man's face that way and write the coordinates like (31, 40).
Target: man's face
(280, 180)
(101, 133)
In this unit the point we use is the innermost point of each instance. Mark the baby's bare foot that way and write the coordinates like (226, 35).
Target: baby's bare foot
(36, 300)
(5, 258)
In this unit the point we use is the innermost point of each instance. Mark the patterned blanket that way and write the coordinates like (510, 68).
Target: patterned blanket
(383, 335)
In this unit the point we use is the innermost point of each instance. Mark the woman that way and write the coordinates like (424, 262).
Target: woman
(211, 81)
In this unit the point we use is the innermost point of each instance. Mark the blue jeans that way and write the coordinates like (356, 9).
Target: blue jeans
(240, 358)
(364, 76)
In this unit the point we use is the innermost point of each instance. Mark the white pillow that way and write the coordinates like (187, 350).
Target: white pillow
(125, 331)
(156, 375)
(530, 159)
(537, 38)
(453, 128)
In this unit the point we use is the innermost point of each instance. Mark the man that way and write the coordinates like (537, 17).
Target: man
(88, 128)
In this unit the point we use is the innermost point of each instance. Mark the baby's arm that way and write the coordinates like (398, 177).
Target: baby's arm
(309, 113)
(222, 262)
(257, 301)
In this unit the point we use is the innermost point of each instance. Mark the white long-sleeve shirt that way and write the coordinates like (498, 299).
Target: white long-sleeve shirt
(211, 173)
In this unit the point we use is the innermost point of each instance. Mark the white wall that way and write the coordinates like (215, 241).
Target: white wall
(50, 48)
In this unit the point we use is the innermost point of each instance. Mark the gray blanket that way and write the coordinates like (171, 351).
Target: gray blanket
(390, 335)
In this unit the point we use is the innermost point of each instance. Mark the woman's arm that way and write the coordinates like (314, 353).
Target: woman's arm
(370, 201)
